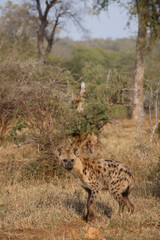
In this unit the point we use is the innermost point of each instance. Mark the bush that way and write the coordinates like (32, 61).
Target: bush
(100, 96)
(9, 98)
(37, 97)
(46, 112)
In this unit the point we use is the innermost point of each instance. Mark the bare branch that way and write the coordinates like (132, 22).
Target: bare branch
(153, 132)
(28, 142)
(49, 6)
(39, 9)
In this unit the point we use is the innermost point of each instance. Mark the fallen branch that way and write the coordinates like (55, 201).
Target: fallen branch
(153, 131)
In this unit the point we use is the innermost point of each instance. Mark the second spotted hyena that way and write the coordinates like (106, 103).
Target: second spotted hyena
(95, 175)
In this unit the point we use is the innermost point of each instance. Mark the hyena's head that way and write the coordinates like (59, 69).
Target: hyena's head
(68, 158)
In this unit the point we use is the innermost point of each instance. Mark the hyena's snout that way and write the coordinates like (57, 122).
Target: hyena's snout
(68, 164)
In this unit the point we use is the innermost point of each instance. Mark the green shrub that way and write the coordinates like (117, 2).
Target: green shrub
(100, 98)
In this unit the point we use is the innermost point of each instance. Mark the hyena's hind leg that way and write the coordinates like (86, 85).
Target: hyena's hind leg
(123, 200)
(119, 198)
(125, 195)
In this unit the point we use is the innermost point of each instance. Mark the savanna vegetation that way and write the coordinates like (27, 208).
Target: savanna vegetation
(39, 96)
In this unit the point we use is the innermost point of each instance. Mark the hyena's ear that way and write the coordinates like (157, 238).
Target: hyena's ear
(76, 151)
(59, 151)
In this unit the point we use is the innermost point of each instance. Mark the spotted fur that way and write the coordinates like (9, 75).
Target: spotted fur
(95, 175)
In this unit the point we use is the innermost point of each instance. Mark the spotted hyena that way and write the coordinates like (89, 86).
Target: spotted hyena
(95, 175)
(89, 144)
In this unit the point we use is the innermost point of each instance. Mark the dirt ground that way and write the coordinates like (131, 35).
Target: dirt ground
(65, 230)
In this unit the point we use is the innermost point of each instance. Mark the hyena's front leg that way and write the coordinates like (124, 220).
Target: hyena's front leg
(92, 194)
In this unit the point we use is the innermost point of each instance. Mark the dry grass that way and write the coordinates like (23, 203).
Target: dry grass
(32, 209)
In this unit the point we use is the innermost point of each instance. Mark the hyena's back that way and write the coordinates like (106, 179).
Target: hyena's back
(119, 176)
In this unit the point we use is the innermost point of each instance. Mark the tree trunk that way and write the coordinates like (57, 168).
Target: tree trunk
(137, 110)
(40, 39)
(43, 50)
(138, 88)
(48, 51)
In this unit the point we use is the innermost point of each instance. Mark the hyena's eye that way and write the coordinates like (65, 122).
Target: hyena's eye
(65, 160)
(72, 160)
